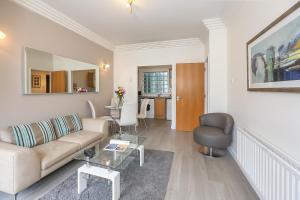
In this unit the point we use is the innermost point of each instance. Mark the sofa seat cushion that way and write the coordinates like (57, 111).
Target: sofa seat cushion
(52, 152)
(83, 138)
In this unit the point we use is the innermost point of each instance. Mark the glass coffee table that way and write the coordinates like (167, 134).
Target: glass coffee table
(105, 164)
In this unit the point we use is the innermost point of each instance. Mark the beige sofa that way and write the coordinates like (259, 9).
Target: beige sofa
(21, 167)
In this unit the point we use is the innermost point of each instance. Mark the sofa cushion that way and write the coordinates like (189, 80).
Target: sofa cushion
(30, 135)
(83, 138)
(7, 136)
(67, 124)
(52, 152)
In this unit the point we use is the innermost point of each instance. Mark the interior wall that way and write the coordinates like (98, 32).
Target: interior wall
(274, 117)
(26, 29)
(217, 71)
(126, 64)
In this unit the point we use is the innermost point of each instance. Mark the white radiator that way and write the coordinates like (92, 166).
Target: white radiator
(272, 173)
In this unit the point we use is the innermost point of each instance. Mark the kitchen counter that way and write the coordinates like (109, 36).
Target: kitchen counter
(153, 97)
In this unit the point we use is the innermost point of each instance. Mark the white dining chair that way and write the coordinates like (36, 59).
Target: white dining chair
(143, 111)
(128, 116)
(115, 113)
(94, 115)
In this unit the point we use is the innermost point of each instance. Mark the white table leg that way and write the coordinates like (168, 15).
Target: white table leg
(114, 176)
(116, 188)
(82, 182)
(141, 151)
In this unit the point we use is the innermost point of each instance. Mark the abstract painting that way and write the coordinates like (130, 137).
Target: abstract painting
(274, 55)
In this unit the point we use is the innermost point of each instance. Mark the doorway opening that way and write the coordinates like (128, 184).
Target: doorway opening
(155, 84)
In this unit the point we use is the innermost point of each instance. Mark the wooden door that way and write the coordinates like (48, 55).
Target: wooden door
(58, 82)
(160, 108)
(189, 95)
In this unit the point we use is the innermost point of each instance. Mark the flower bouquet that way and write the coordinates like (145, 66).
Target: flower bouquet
(120, 92)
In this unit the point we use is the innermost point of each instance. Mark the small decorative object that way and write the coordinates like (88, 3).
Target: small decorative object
(82, 90)
(274, 55)
(107, 163)
(120, 92)
(36, 81)
(89, 153)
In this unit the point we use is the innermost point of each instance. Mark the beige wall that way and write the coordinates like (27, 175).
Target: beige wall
(24, 28)
(273, 117)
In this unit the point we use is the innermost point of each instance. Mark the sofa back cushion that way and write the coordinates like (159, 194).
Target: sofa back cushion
(7, 136)
(30, 135)
(67, 124)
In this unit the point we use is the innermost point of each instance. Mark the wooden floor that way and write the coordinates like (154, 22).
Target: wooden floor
(193, 176)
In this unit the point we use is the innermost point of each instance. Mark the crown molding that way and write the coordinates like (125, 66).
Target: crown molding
(214, 24)
(160, 44)
(58, 17)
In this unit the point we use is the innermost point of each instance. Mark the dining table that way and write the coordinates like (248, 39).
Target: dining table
(114, 117)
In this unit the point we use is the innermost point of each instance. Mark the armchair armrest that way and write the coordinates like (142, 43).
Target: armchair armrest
(95, 125)
(19, 168)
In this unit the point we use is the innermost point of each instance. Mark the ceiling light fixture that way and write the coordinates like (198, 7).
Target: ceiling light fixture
(130, 5)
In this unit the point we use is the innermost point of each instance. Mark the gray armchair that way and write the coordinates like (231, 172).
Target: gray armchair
(214, 132)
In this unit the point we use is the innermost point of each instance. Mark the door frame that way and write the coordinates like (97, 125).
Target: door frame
(206, 86)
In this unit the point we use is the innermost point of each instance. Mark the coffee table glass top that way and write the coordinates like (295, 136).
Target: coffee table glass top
(111, 159)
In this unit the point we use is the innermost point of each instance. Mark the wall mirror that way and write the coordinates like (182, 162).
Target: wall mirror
(46, 73)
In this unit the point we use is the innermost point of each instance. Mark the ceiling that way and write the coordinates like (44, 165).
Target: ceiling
(152, 20)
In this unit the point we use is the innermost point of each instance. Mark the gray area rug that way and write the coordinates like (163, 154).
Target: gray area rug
(147, 182)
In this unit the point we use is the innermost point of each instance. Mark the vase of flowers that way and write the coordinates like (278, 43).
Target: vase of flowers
(120, 92)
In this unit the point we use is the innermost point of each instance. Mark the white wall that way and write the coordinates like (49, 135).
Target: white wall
(217, 70)
(272, 116)
(127, 59)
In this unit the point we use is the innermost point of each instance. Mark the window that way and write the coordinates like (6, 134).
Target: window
(156, 82)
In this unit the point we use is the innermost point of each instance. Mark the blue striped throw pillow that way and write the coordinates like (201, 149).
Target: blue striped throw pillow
(67, 124)
(30, 135)
(47, 131)
(76, 122)
(62, 127)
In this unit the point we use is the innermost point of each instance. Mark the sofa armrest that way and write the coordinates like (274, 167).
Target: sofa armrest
(95, 125)
(19, 168)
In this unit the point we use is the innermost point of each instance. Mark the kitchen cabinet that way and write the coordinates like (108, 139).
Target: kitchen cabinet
(160, 108)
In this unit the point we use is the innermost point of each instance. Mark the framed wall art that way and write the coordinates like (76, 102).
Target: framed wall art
(36, 81)
(273, 55)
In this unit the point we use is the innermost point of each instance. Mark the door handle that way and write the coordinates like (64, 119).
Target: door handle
(178, 98)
